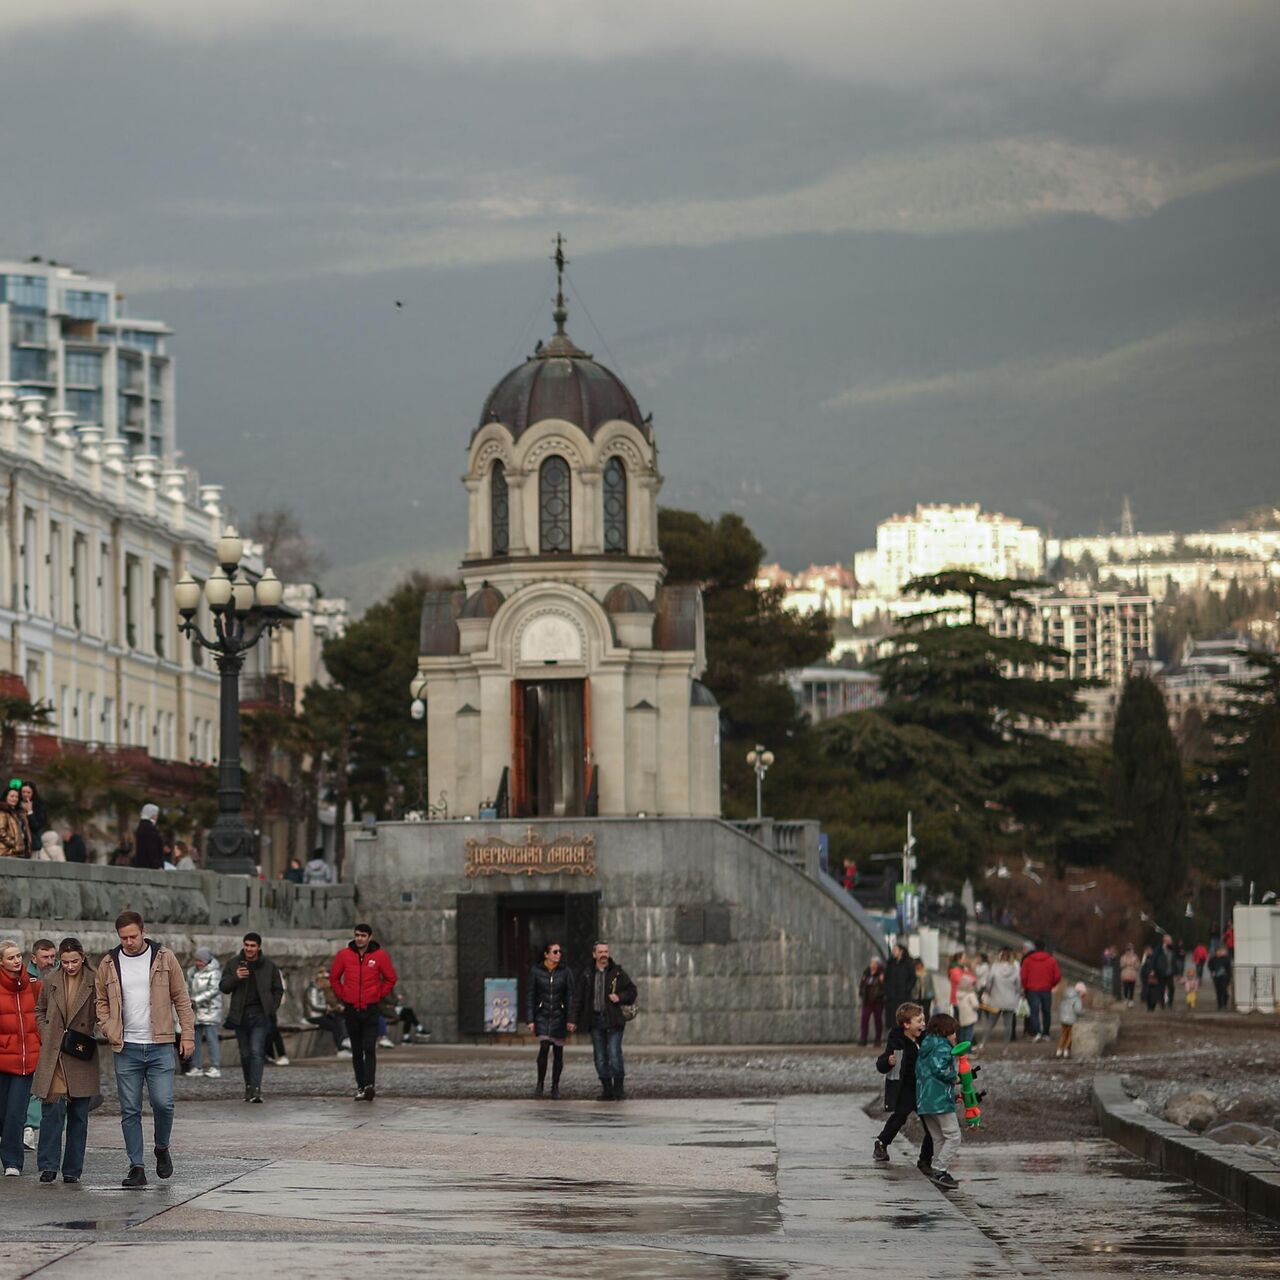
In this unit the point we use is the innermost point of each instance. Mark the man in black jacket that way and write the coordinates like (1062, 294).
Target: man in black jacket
(256, 989)
(603, 991)
(898, 1064)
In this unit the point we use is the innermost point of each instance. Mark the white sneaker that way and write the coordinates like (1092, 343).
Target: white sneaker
(385, 1043)
(282, 1060)
(13, 1173)
(196, 1071)
(343, 1053)
(346, 1044)
(213, 1073)
(1057, 1053)
(29, 1138)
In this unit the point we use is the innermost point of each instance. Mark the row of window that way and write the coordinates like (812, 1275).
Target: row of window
(76, 590)
(555, 507)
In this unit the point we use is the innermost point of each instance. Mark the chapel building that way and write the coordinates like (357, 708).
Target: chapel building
(563, 681)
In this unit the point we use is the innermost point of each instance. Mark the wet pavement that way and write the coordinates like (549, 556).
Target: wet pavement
(732, 1188)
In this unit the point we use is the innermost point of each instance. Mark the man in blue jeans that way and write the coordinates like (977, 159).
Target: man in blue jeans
(603, 991)
(256, 988)
(1040, 975)
(138, 986)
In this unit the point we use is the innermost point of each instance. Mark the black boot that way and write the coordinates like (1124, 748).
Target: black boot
(556, 1069)
(606, 1090)
(618, 1093)
(542, 1075)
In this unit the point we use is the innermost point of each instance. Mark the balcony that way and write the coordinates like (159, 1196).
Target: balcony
(266, 693)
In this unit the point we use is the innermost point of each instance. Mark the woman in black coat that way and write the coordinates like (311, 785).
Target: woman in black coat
(548, 1003)
(899, 980)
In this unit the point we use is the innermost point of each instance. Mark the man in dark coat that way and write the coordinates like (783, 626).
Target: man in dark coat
(603, 991)
(148, 843)
(256, 989)
(899, 980)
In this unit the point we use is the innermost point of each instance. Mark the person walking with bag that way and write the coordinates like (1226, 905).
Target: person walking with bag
(604, 1004)
(66, 1079)
(361, 976)
(548, 1008)
(19, 1053)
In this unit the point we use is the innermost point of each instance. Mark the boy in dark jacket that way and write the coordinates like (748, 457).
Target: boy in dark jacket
(898, 1064)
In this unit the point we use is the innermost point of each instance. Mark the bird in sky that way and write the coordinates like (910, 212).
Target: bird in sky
(399, 305)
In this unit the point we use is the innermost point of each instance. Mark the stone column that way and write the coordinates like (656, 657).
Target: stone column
(518, 538)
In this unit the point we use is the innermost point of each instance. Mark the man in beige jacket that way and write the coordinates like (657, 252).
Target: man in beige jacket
(139, 985)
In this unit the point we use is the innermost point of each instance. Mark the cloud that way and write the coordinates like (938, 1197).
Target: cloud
(1138, 47)
(979, 187)
(1052, 378)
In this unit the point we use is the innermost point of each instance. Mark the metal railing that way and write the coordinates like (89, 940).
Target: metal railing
(1257, 987)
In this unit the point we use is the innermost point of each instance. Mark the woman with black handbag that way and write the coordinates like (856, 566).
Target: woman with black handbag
(66, 1078)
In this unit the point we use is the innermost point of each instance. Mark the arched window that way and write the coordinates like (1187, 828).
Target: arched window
(615, 506)
(499, 510)
(555, 521)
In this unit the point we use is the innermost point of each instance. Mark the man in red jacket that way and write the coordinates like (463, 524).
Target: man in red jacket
(361, 975)
(1040, 975)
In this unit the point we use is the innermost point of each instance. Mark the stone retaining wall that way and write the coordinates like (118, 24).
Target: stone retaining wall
(302, 926)
(779, 960)
(1243, 1179)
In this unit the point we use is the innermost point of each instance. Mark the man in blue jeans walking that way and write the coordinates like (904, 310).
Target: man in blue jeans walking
(138, 986)
(1040, 975)
(256, 988)
(603, 992)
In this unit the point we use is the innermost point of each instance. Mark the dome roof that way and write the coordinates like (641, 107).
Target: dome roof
(625, 598)
(483, 603)
(560, 380)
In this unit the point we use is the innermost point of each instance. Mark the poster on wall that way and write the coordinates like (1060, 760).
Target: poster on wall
(499, 1004)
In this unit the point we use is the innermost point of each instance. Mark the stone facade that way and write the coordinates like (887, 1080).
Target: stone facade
(727, 943)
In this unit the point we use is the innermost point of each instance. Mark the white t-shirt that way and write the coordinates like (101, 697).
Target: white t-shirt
(135, 994)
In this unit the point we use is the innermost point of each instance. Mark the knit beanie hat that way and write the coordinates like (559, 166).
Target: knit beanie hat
(204, 954)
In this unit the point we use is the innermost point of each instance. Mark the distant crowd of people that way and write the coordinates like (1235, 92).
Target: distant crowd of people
(26, 832)
(1155, 975)
(982, 993)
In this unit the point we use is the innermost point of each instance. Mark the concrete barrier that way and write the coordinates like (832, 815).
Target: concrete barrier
(1243, 1179)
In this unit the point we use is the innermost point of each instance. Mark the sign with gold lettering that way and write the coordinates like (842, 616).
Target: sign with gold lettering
(533, 856)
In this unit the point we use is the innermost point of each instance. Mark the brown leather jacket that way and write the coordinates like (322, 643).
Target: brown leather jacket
(15, 835)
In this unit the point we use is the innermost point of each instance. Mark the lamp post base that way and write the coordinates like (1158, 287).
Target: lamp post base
(231, 850)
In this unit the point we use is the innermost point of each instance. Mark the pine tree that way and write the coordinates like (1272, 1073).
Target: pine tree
(1148, 795)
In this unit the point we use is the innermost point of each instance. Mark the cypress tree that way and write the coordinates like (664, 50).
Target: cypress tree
(1148, 796)
(1262, 803)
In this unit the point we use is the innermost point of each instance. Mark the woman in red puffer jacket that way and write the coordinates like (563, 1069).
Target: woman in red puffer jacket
(19, 1052)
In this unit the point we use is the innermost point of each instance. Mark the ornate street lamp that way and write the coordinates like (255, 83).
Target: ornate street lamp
(760, 760)
(243, 612)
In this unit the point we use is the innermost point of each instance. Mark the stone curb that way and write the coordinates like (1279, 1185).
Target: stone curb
(1232, 1175)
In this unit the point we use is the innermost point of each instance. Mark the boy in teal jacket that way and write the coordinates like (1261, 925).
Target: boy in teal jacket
(936, 1081)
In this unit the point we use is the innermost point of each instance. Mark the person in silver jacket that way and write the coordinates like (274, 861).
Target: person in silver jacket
(206, 1002)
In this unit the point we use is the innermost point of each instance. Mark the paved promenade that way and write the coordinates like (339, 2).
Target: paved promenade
(728, 1188)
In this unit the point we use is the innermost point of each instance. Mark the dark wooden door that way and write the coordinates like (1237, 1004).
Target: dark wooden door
(477, 926)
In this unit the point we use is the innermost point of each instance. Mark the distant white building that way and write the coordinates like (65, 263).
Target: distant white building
(821, 588)
(1103, 632)
(64, 336)
(1110, 549)
(942, 536)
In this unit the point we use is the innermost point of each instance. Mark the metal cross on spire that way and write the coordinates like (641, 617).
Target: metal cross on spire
(561, 313)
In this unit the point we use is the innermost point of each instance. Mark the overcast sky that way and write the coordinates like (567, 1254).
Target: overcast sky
(852, 256)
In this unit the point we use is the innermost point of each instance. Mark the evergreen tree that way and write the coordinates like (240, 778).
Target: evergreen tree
(1258, 863)
(372, 666)
(751, 642)
(1148, 796)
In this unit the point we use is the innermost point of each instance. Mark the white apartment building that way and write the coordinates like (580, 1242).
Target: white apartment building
(91, 544)
(64, 335)
(942, 536)
(1103, 632)
(1111, 548)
